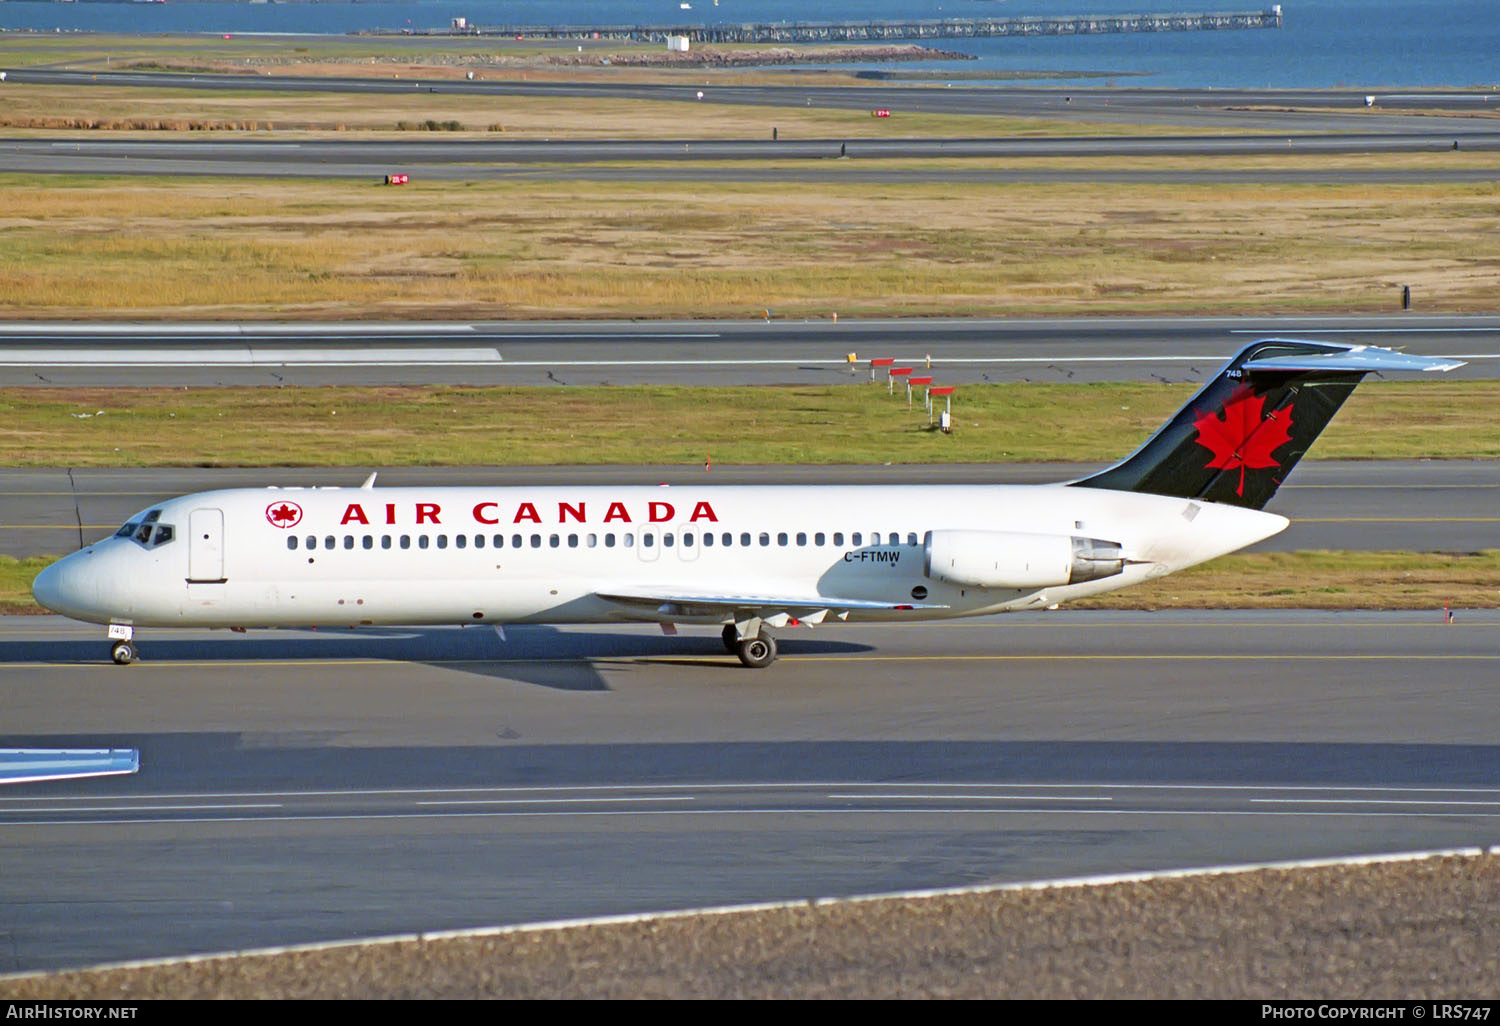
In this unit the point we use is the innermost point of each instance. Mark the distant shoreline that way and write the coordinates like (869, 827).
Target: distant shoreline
(780, 55)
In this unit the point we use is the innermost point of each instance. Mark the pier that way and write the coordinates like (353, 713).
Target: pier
(886, 31)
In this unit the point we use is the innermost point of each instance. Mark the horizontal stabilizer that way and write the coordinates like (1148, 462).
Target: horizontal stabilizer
(1363, 359)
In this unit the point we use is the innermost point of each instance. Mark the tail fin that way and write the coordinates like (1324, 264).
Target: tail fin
(1240, 436)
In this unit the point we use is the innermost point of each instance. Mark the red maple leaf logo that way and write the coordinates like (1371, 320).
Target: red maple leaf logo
(284, 514)
(1244, 436)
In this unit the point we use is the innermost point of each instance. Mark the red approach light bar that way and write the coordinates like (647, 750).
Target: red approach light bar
(880, 361)
(926, 398)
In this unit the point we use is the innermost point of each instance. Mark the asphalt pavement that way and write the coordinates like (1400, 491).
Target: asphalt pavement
(299, 786)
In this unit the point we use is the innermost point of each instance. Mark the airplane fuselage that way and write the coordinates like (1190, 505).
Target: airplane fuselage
(366, 556)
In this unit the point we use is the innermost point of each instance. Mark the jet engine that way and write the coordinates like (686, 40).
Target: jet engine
(1012, 559)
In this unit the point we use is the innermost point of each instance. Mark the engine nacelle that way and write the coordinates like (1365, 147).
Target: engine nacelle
(1012, 559)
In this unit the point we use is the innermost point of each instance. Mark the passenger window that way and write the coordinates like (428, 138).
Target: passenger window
(312, 542)
(708, 539)
(554, 541)
(911, 537)
(874, 537)
(666, 539)
(572, 541)
(857, 540)
(406, 541)
(369, 541)
(818, 539)
(421, 541)
(627, 540)
(442, 541)
(536, 541)
(838, 537)
(801, 539)
(609, 540)
(329, 542)
(593, 541)
(460, 541)
(515, 541)
(726, 539)
(291, 541)
(479, 541)
(765, 539)
(348, 541)
(781, 538)
(647, 540)
(385, 541)
(498, 541)
(745, 539)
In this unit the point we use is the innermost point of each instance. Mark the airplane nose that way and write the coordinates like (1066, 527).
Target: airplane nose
(66, 587)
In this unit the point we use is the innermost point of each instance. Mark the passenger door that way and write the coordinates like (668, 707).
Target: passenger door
(206, 546)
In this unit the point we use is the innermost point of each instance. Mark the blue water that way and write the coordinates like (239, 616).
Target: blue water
(1359, 43)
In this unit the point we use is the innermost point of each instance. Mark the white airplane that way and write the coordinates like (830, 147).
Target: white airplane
(747, 558)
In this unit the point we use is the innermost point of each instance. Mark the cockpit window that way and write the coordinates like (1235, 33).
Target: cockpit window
(147, 531)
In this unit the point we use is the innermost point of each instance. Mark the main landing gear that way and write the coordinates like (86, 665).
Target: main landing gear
(756, 651)
(122, 650)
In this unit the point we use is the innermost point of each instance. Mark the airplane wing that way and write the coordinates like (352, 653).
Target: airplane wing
(776, 610)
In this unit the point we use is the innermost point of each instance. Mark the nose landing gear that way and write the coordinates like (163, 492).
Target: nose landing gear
(122, 650)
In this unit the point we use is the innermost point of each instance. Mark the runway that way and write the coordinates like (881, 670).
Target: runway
(1422, 506)
(298, 786)
(758, 352)
(1319, 110)
(824, 160)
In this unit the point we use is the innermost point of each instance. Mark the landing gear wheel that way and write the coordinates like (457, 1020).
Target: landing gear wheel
(731, 638)
(122, 652)
(758, 652)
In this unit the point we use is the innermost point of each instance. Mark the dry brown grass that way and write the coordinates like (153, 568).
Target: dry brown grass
(250, 248)
(37, 107)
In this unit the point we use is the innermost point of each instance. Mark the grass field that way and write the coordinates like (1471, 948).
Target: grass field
(855, 424)
(251, 249)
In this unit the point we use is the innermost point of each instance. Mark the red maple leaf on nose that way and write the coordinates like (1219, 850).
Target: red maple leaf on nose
(1244, 436)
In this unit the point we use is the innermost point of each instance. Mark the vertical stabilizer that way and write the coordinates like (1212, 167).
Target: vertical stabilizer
(1240, 436)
